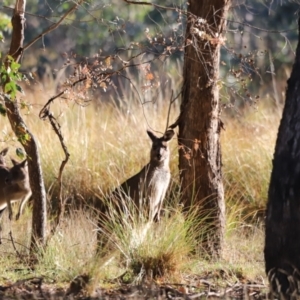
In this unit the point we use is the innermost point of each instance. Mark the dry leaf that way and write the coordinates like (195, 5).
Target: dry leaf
(150, 76)
(196, 144)
(108, 62)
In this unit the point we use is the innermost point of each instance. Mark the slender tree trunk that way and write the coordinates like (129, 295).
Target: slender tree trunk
(282, 242)
(20, 129)
(199, 123)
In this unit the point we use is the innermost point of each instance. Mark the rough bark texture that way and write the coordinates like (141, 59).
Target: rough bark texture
(199, 124)
(282, 241)
(30, 146)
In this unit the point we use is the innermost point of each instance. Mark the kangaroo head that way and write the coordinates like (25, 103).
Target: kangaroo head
(160, 150)
(18, 173)
(2, 154)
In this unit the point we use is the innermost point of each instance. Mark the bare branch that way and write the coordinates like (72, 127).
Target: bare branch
(172, 126)
(15, 248)
(169, 110)
(53, 26)
(259, 28)
(44, 113)
(56, 127)
(101, 77)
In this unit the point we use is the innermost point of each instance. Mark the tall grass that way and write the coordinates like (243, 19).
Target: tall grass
(248, 146)
(152, 249)
(107, 145)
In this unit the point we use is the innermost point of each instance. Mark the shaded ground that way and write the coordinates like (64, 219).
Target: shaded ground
(34, 288)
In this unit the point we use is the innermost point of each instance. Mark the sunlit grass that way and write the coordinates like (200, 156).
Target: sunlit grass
(150, 249)
(248, 146)
(108, 145)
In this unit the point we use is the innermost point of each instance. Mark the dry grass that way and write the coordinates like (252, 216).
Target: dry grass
(107, 145)
(248, 146)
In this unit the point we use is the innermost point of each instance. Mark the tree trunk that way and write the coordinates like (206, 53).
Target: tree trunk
(282, 241)
(29, 144)
(199, 123)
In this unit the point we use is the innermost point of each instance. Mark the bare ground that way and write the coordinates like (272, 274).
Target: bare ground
(35, 288)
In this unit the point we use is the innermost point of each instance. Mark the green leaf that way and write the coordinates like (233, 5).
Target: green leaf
(15, 66)
(20, 153)
(4, 77)
(11, 89)
(23, 138)
(10, 58)
(8, 87)
(19, 89)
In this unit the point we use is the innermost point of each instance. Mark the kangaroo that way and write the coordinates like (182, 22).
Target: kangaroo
(152, 182)
(17, 187)
(4, 173)
(14, 186)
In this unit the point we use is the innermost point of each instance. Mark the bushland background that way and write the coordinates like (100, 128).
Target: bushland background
(105, 132)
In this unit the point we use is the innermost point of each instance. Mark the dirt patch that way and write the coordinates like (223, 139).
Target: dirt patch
(35, 288)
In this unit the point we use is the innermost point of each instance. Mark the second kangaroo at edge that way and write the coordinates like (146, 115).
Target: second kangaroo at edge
(153, 180)
(15, 187)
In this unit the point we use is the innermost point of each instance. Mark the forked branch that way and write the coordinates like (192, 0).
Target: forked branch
(61, 208)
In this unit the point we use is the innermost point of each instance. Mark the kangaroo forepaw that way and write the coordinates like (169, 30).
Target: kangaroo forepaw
(17, 217)
(10, 216)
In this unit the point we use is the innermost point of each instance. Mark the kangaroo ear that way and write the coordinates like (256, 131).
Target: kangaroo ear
(152, 136)
(4, 151)
(168, 135)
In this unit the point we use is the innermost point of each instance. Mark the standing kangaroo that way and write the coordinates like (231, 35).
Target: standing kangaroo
(150, 185)
(152, 182)
(14, 186)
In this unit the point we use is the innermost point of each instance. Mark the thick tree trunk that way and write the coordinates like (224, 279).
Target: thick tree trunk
(282, 242)
(199, 123)
(20, 129)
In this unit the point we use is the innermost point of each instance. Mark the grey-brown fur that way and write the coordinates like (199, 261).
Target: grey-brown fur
(14, 186)
(4, 173)
(151, 183)
(147, 188)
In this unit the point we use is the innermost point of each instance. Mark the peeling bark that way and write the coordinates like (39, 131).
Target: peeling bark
(19, 127)
(199, 123)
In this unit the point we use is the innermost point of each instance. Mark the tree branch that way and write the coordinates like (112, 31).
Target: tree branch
(61, 209)
(172, 100)
(44, 111)
(151, 4)
(53, 26)
(101, 77)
